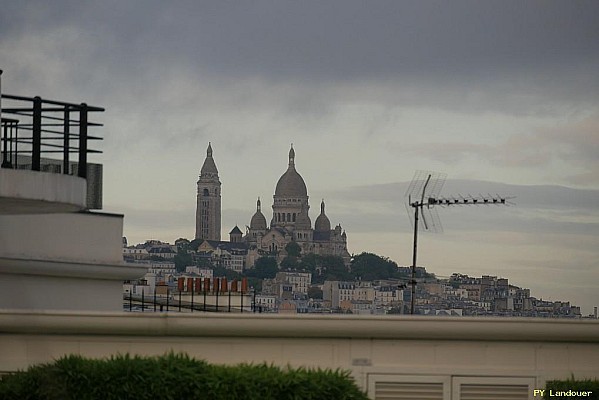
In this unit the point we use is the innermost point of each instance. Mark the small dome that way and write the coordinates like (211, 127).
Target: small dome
(209, 164)
(258, 220)
(291, 183)
(322, 223)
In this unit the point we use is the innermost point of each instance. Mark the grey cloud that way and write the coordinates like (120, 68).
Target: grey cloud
(521, 56)
(574, 143)
(537, 209)
(540, 196)
(153, 221)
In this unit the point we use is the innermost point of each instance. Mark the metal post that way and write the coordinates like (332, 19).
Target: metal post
(6, 163)
(217, 288)
(205, 296)
(229, 300)
(143, 292)
(413, 281)
(179, 301)
(16, 150)
(82, 141)
(241, 291)
(65, 142)
(191, 296)
(168, 295)
(254, 304)
(131, 300)
(416, 207)
(154, 297)
(5, 154)
(37, 134)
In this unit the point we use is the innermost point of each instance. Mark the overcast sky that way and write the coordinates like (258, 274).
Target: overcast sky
(501, 96)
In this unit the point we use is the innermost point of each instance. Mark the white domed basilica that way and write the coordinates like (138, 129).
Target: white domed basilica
(290, 222)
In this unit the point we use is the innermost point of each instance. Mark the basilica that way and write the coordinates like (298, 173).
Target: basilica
(290, 218)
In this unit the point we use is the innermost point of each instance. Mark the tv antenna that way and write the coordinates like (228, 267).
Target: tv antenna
(423, 196)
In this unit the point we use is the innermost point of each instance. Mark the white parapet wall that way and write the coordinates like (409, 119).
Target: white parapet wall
(63, 262)
(35, 192)
(386, 355)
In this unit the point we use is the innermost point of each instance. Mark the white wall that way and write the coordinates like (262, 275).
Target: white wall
(375, 349)
(63, 262)
(23, 191)
(83, 237)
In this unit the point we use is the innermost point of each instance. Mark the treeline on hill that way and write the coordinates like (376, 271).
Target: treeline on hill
(364, 266)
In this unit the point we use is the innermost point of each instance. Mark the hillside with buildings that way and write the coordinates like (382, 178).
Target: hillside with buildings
(370, 284)
(293, 266)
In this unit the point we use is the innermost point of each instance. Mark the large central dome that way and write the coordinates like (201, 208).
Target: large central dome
(291, 183)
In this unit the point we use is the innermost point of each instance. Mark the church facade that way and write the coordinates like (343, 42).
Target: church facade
(290, 218)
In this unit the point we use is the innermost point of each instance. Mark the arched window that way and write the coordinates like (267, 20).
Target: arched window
(293, 217)
(206, 192)
(289, 217)
(283, 214)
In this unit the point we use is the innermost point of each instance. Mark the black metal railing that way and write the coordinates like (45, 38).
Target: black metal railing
(33, 127)
(173, 301)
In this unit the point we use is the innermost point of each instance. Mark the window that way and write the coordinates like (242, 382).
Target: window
(206, 192)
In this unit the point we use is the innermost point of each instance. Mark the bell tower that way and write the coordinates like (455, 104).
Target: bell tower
(208, 210)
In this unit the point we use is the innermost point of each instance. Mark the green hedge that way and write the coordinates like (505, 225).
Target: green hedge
(172, 376)
(575, 385)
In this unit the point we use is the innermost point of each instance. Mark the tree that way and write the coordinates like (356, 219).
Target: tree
(310, 263)
(182, 260)
(370, 267)
(314, 292)
(324, 268)
(204, 262)
(255, 283)
(289, 263)
(265, 268)
(334, 269)
(182, 243)
(293, 249)
(227, 273)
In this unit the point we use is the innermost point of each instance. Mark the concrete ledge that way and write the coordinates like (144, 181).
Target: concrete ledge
(35, 192)
(299, 326)
(87, 238)
(71, 269)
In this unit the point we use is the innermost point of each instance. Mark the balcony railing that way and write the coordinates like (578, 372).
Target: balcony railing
(50, 136)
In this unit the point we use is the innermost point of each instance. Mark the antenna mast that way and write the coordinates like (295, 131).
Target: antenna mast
(425, 187)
